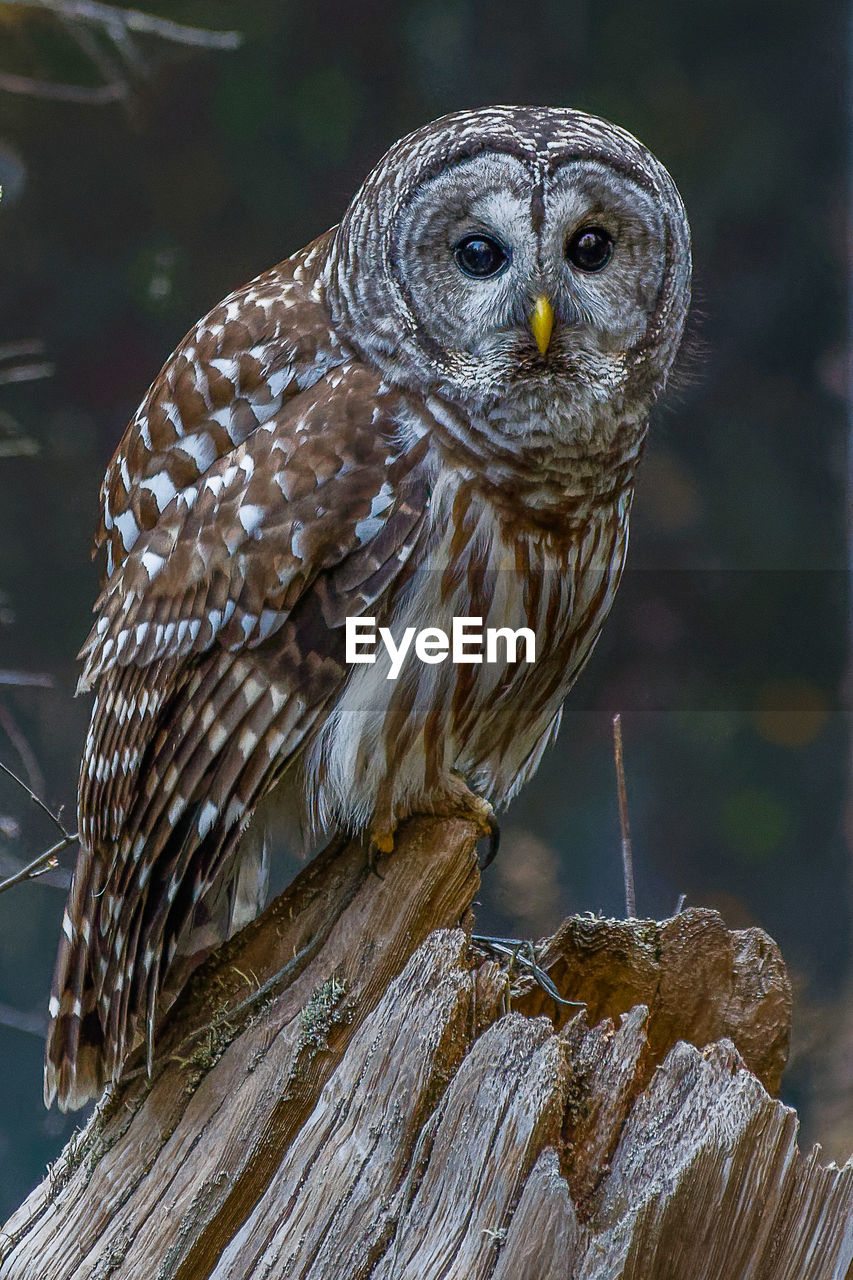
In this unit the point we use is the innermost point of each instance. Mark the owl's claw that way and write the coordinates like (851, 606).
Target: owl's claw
(372, 856)
(494, 837)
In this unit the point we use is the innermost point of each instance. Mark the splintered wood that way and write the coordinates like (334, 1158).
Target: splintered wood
(348, 1090)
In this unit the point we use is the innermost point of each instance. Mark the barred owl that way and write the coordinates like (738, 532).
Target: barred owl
(435, 410)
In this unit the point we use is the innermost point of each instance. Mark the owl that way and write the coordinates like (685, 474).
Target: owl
(434, 411)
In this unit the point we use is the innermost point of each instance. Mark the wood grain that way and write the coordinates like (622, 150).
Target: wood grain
(349, 1090)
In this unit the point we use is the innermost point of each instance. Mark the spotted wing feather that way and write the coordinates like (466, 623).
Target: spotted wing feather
(232, 373)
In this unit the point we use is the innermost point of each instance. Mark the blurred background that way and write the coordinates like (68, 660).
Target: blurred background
(148, 170)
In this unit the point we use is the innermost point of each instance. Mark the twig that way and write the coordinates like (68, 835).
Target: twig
(34, 1024)
(21, 366)
(22, 347)
(25, 679)
(627, 852)
(96, 95)
(44, 862)
(111, 16)
(16, 736)
(522, 953)
(55, 877)
(68, 837)
(115, 25)
(26, 372)
(13, 444)
(94, 49)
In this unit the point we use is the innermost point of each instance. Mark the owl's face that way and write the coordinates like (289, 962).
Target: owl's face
(545, 274)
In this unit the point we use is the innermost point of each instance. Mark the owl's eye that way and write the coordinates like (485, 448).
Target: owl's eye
(590, 249)
(480, 256)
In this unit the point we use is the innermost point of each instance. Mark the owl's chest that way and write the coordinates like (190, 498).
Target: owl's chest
(538, 598)
(518, 613)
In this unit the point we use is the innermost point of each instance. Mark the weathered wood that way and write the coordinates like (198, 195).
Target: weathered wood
(700, 982)
(347, 1090)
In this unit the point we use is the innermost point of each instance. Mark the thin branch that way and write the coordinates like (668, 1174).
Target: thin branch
(115, 25)
(91, 47)
(522, 954)
(53, 876)
(16, 446)
(19, 741)
(22, 347)
(20, 364)
(26, 373)
(34, 1024)
(68, 837)
(27, 679)
(627, 852)
(46, 861)
(97, 95)
(110, 17)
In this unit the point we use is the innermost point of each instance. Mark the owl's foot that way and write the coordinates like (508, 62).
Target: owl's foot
(380, 842)
(461, 802)
(456, 801)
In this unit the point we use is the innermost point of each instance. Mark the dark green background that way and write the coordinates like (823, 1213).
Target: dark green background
(726, 651)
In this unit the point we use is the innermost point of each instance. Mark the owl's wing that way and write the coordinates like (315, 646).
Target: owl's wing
(232, 373)
(218, 648)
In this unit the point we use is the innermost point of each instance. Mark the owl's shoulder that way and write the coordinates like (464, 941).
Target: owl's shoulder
(263, 343)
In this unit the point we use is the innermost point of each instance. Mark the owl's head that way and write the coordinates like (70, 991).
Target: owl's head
(518, 260)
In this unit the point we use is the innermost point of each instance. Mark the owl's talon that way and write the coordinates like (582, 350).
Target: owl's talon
(372, 856)
(494, 838)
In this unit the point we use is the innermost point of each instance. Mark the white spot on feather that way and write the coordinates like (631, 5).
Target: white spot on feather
(251, 517)
(151, 563)
(206, 818)
(269, 619)
(162, 488)
(176, 810)
(201, 449)
(128, 528)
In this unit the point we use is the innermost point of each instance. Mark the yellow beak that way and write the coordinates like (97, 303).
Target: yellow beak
(542, 322)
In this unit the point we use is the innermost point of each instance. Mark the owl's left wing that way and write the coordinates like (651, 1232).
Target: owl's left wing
(218, 648)
(232, 554)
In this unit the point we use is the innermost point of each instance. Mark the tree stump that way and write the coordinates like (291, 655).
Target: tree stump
(348, 1089)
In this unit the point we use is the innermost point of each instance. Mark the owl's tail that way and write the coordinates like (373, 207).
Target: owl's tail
(80, 1059)
(161, 873)
(75, 1069)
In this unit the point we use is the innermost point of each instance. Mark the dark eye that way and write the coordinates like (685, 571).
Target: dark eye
(590, 249)
(480, 256)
